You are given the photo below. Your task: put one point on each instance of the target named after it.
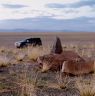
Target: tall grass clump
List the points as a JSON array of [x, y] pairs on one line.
[[20, 56], [28, 83], [4, 61], [86, 87], [63, 82], [35, 52], [2, 49]]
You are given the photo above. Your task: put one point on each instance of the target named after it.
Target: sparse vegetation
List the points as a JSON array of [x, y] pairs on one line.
[[34, 53], [2, 86], [4, 61], [86, 87], [23, 78], [20, 56], [2, 49], [29, 85], [63, 81]]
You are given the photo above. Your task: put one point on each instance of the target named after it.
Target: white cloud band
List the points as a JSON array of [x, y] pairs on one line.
[[37, 8]]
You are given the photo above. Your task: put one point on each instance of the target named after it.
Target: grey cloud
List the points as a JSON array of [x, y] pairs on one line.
[[74, 5], [13, 6]]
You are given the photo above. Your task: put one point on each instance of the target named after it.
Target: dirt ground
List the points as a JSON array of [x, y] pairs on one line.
[[22, 78]]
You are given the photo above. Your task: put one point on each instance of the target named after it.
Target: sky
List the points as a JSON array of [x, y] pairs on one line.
[[47, 15]]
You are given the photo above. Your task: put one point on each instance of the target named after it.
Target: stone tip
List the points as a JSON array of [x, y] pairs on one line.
[[57, 46]]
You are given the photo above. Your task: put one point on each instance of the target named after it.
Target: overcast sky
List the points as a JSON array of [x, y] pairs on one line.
[[64, 15]]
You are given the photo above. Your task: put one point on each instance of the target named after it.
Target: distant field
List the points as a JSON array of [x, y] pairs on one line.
[[8, 38]]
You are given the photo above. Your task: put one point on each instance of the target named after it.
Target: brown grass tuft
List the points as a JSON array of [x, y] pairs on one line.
[[63, 82], [35, 52], [20, 56], [86, 87], [4, 61]]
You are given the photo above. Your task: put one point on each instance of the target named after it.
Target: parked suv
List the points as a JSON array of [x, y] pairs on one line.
[[27, 42]]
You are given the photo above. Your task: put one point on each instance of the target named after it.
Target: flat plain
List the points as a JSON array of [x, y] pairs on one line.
[[19, 75], [8, 38]]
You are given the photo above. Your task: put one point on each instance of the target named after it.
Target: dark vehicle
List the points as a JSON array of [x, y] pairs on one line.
[[29, 41]]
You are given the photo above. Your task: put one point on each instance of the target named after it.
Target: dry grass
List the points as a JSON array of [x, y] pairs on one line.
[[34, 52], [85, 49], [8, 56], [63, 82], [86, 87], [20, 56], [2, 49], [27, 87], [4, 61]]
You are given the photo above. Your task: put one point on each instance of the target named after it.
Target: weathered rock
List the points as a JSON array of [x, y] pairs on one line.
[[77, 68], [57, 47], [55, 61]]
